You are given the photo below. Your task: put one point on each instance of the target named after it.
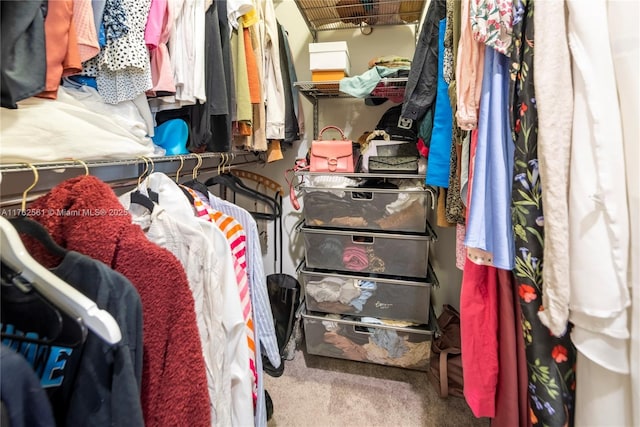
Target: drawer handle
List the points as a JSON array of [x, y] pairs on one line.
[[363, 240], [362, 195], [361, 330]]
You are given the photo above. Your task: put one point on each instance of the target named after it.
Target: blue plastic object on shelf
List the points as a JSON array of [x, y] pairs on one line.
[[172, 135]]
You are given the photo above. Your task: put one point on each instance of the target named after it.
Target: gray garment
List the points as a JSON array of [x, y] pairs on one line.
[[420, 93], [292, 130], [387, 339], [390, 341], [106, 390], [225, 38], [24, 401], [210, 123], [216, 85], [98, 11], [23, 65]]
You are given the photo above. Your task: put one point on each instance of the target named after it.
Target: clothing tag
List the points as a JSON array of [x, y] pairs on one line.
[[480, 257]]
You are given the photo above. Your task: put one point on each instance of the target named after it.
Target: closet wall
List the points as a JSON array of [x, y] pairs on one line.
[[354, 117]]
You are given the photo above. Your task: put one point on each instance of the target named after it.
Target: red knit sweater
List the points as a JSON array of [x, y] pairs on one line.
[[174, 384]]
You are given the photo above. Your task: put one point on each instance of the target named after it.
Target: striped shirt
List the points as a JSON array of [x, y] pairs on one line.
[[265, 329], [236, 237], [257, 277]]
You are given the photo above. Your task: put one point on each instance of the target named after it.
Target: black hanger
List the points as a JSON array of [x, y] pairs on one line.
[[13, 284], [236, 185], [140, 199], [196, 185], [271, 201], [26, 225], [153, 196]]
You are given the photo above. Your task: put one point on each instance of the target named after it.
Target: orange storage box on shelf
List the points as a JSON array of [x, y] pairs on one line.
[[327, 75]]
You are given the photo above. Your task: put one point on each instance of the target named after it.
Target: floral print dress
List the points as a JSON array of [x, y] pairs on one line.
[[550, 359]]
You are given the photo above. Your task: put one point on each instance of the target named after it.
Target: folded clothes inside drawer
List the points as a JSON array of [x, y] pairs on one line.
[[368, 339], [365, 295], [390, 254], [375, 204]]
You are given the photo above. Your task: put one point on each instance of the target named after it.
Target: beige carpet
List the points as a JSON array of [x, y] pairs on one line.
[[317, 391]]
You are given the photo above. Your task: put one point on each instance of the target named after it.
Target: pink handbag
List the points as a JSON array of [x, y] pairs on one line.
[[331, 155]]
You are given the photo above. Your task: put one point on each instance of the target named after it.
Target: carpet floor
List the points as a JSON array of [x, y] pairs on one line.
[[317, 391]]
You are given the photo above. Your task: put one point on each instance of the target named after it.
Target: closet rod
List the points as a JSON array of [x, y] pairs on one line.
[[126, 176], [16, 167]]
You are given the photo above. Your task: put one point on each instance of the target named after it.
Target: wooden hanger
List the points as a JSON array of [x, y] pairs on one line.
[[252, 176]]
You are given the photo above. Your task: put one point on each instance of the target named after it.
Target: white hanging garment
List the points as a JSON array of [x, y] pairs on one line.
[[598, 222]]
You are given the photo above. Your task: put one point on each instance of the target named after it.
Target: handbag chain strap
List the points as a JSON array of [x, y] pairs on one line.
[[378, 132]]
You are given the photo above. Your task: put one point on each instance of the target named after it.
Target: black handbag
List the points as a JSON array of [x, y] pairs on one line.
[[393, 165]]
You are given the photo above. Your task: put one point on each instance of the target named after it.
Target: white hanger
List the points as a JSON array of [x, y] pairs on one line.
[[54, 289]]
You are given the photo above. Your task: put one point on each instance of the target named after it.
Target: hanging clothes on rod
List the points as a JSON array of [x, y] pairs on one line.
[[264, 331], [26, 269], [76, 369], [98, 226], [206, 256]]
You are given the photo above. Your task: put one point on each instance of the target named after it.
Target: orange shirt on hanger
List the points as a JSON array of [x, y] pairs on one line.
[[61, 43]]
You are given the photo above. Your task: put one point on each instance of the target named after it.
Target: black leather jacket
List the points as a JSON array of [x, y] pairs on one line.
[[421, 88]]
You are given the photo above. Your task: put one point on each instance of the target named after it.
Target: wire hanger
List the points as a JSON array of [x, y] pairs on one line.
[[180, 168], [60, 293], [36, 177], [136, 195], [193, 183], [25, 225], [84, 164]]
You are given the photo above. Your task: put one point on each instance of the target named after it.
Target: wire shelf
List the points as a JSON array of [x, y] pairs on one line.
[[323, 15], [392, 88]]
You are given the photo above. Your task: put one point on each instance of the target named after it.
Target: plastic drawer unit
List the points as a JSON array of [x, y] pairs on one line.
[[368, 340], [381, 209], [389, 254], [367, 295]]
